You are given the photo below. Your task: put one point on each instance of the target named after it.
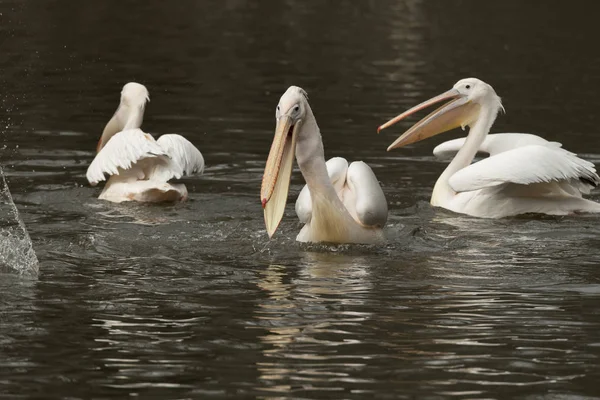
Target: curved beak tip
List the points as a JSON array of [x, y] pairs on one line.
[[263, 202], [378, 129]]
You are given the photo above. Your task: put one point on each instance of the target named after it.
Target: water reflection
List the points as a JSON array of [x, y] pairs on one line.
[[310, 311]]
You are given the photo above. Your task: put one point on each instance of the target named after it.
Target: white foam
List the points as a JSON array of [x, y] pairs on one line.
[[16, 250]]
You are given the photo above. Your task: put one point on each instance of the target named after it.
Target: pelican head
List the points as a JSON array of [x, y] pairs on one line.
[[290, 113], [466, 99], [129, 114], [134, 95]]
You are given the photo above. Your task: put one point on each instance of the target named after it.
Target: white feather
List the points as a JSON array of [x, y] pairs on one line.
[[368, 201], [172, 156], [524, 166], [122, 151], [493, 144], [357, 187], [337, 167], [182, 152]]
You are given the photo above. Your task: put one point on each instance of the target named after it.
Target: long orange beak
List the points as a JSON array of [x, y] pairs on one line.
[[459, 111], [278, 171]]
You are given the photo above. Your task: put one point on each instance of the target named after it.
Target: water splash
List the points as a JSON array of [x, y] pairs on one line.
[[16, 250]]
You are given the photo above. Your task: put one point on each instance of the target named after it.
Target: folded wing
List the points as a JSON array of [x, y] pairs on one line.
[[369, 203], [493, 144], [357, 187], [527, 165]]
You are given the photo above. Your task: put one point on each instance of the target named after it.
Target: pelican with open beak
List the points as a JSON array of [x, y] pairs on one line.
[[524, 173], [340, 203]]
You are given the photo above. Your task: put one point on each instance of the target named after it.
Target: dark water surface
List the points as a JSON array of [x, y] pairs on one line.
[[193, 301]]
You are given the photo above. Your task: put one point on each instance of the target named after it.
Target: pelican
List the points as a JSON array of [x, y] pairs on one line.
[[340, 203], [523, 174], [139, 166]]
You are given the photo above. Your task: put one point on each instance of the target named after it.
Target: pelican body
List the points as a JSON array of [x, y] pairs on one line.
[[139, 166], [523, 174], [341, 202]]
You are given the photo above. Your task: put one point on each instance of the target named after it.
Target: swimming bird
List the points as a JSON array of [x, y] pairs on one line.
[[139, 166], [340, 203], [523, 174]]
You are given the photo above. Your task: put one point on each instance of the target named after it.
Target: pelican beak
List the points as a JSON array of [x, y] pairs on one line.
[[278, 171], [459, 111]]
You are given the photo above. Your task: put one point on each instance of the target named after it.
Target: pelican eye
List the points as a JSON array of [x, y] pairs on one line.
[[468, 86], [296, 109]]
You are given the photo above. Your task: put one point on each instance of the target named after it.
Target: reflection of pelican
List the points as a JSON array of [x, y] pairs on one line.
[[341, 203], [307, 314], [139, 166], [524, 173]]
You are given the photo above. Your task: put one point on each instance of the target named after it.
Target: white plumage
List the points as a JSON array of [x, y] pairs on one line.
[[138, 165], [524, 173], [356, 186], [523, 166], [493, 144], [340, 203]]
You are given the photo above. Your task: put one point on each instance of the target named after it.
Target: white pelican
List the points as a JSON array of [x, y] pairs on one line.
[[524, 173], [340, 203], [139, 166]]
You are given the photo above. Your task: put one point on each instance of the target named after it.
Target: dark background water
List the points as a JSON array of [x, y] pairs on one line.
[[193, 301]]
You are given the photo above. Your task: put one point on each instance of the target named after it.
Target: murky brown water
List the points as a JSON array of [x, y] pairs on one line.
[[193, 300]]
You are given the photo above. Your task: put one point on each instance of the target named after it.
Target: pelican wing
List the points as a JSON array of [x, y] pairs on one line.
[[304, 205], [337, 167], [493, 144], [357, 187], [186, 158], [370, 205], [524, 166], [122, 151]]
